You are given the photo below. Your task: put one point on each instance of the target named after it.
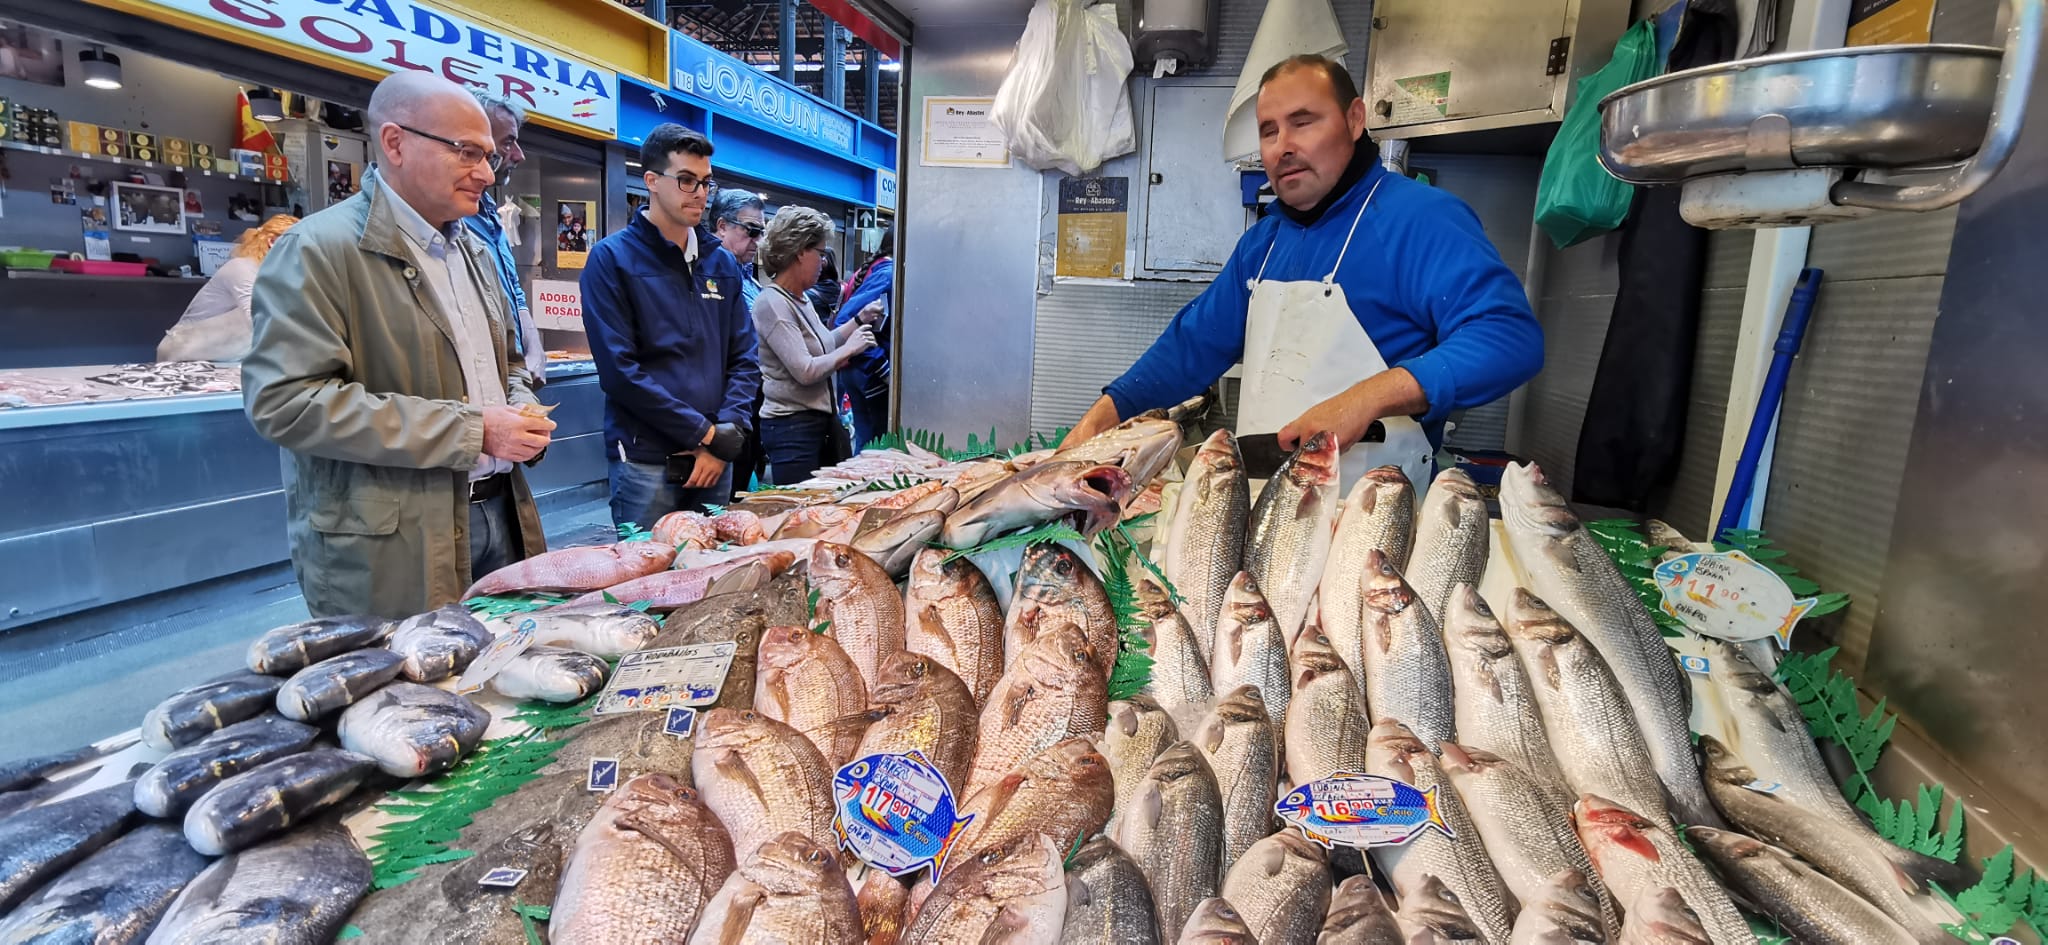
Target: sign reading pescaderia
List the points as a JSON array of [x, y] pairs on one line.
[[399, 34], [715, 77]]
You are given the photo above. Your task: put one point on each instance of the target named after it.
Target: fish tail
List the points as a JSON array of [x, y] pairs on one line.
[[1436, 811]]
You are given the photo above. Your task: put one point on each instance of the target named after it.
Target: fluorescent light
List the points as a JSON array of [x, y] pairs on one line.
[[100, 68]]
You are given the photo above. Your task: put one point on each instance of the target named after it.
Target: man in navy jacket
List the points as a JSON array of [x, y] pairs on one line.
[[674, 344]]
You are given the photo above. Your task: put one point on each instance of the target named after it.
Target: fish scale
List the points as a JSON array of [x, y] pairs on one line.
[[185, 775], [1459, 861], [1237, 738], [1359, 916], [953, 615], [1138, 730], [862, 602], [38, 843], [1451, 538], [1052, 692], [1012, 894], [1180, 663], [1405, 669], [1063, 792], [1530, 838], [272, 797], [1250, 650], [1565, 910], [1281, 886], [551, 674], [296, 890], [1431, 914], [643, 869], [1205, 535], [438, 643], [193, 713], [1636, 856], [921, 706], [791, 890], [1802, 900], [412, 730], [1495, 705], [1326, 721], [761, 778], [113, 896], [806, 680], [1108, 898], [1289, 532], [1173, 828], [1378, 515]]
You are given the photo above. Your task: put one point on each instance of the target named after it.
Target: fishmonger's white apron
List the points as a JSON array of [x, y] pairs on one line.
[[1302, 346]]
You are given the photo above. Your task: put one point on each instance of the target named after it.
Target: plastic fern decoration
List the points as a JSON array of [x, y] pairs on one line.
[[1133, 669], [1828, 700], [629, 531], [1913, 826], [1637, 561], [1996, 903], [1056, 531], [498, 605]]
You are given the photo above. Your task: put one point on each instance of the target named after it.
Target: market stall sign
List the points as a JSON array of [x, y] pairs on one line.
[[896, 812], [389, 35], [1362, 810], [558, 304], [1093, 217], [885, 189], [1730, 596], [740, 89]]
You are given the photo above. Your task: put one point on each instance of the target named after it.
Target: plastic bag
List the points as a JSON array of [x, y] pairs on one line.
[[1064, 104], [1577, 198]]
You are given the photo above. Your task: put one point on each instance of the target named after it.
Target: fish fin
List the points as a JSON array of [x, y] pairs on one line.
[[735, 767], [1916, 870], [1001, 793], [739, 917], [749, 576], [1432, 799], [1008, 926]]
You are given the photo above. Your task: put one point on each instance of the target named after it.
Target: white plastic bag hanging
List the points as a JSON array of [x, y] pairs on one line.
[[1064, 104]]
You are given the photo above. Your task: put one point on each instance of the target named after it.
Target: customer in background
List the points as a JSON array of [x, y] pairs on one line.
[[383, 365], [825, 295], [865, 381], [673, 346], [800, 430], [493, 222], [216, 326], [736, 223]]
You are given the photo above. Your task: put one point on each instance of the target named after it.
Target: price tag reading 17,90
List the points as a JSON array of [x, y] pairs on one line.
[[653, 680], [1729, 596], [895, 812]]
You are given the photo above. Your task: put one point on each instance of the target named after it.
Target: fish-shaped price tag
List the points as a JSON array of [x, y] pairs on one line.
[[497, 656], [1362, 810], [896, 812], [652, 680], [1730, 596]]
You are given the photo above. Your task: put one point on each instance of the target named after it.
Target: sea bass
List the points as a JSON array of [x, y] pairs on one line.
[[1530, 839], [921, 706], [1431, 914], [1215, 922], [1290, 530], [791, 891], [1015, 894], [1378, 515], [1138, 730], [1180, 662], [114, 896], [599, 628], [41, 842], [644, 868], [861, 601], [1055, 587], [296, 890], [1063, 792], [1451, 539], [1239, 742], [1250, 650], [1205, 533], [183, 776], [439, 643], [285, 650], [271, 798], [1405, 669], [1495, 700], [189, 715], [1108, 898], [1281, 886], [1326, 721], [1565, 910], [761, 778], [576, 570], [412, 730], [952, 614], [1173, 828], [1636, 855], [336, 683], [1661, 917], [1359, 916], [1091, 493], [1053, 691], [1460, 861], [806, 680], [1801, 900]]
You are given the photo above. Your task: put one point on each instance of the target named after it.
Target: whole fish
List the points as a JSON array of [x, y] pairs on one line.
[[295, 890], [336, 683], [921, 706], [643, 869], [790, 890], [951, 613], [38, 843], [1091, 494], [439, 643], [931, 494], [806, 680], [1173, 828], [1431, 914], [1141, 446], [739, 527], [1565, 910], [1014, 894], [1216, 922], [34, 772], [1661, 917], [271, 798], [761, 778], [1460, 861], [861, 601], [189, 715], [1406, 671], [412, 730], [1326, 721], [1495, 701], [1108, 899], [664, 591], [1063, 792], [832, 523], [1238, 740], [1053, 691], [1359, 916], [882, 900], [691, 559], [599, 628], [1055, 587], [170, 787], [1801, 900], [1281, 886], [577, 569], [1570, 571], [551, 674], [896, 542], [1138, 731], [1250, 650], [684, 529], [114, 896], [1530, 838], [1205, 533], [1636, 855], [1858, 859], [21, 799], [1451, 539], [1180, 662], [285, 650], [1290, 530], [1378, 515], [1593, 731]]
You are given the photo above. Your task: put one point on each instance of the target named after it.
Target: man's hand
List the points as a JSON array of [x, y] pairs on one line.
[[1348, 415], [513, 435], [706, 470], [1100, 417], [871, 313]]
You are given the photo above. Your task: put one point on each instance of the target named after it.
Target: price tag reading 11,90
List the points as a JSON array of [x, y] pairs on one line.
[[1730, 596]]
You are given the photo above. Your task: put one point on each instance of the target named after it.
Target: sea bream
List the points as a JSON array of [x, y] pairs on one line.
[[439, 643], [1053, 691], [272, 797], [599, 628], [285, 650], [183, 776], [921, 706], [806, 679], [295, 890], [38, 843], [191, 714], [1089, 493], [1063, 792], [336, 683], [576, 570], [862, 603], [411, 730], [1055, 587], [1290, 530], [1378, 515], [113, 897], [551, 674], [1015, 894], [643, 869], [789, 890], [951, 613], [761, 778], [1205, 533]]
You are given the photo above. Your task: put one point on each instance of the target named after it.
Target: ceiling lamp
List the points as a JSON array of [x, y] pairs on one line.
[[265, 104], [100, 68]]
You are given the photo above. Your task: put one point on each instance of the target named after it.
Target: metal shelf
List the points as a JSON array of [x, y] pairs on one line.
[[130, 162]]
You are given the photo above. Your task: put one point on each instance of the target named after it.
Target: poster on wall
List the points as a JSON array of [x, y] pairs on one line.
[[141, 208], [958, 133], [572, 233], [557, 304], [343, 180], [30, 54], [1092, 224], [1882, 22]]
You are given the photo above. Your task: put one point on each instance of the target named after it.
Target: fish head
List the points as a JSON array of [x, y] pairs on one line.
[[1153, 600], [784, 647], [904, 676], [1385, 590], [1244, 603], [1217, 461], [1566, 910], [1179, 761], [1358, 899], [1051, 573], [1527, 501], [1074, 762], [1314, 463], [1660, 916], [1727, 845], [1097, 492], [1723, 764], [1458, 760], [1529, 618], [1727, 663], [649, 555], [1470, 626], [1390, 749], [1314, 658], [654, 789], [839, 571], [1217, 922], [1059, 656], [1610, 830], [724, 728], [1128, 716], [792, 864], [1434, 907]]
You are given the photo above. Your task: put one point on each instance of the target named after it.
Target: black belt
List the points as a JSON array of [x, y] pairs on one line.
[[489, 487]]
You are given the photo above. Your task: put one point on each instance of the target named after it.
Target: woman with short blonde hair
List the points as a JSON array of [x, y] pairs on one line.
[[217, 325], [800, 430]]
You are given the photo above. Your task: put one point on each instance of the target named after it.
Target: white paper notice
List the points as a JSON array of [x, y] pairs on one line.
[[958, 133]]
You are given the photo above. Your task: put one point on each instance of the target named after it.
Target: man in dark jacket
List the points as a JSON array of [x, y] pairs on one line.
[[673, 344]]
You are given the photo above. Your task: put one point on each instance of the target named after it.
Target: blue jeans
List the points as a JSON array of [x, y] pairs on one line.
[[642, 494], [797, 445]]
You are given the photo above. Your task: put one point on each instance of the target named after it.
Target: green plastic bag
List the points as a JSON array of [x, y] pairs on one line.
[[1577, 198]]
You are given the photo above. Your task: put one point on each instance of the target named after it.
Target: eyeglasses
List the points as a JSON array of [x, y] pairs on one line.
[[754, 230], [689, 184], [468, 154]]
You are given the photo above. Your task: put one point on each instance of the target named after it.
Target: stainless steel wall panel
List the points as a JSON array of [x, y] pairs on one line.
[[1087, 335], [1728, 258], [1692, 491], [1886, 246], [47, 571]]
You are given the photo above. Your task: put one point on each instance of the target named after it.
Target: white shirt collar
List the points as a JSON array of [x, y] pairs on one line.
[[416, 226]]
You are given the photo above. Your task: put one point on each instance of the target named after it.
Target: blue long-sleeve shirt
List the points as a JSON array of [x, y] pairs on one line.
[[487, 226], [674, 347], [1420, 276]]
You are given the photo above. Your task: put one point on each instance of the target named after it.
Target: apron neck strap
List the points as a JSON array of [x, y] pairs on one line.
[[1332, 277]]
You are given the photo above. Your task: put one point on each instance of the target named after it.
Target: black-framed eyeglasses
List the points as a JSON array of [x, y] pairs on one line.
[[690, 184], [753, 230], [469, 154]]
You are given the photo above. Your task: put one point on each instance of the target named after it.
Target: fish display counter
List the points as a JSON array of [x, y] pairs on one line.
[[1081, 695]]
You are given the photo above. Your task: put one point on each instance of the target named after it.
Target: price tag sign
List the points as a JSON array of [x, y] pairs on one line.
[[504, 877], [603, 777], [1362, 810], [497, 656], [895, 812], [1730, 596], [682, 722], [657, 680]]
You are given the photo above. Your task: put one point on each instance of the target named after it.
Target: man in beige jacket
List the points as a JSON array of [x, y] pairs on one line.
[[382, 365]]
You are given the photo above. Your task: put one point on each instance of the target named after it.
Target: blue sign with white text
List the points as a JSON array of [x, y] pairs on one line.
[[722, 80]]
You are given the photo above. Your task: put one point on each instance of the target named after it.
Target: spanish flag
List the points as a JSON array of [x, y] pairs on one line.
[[250, 134]]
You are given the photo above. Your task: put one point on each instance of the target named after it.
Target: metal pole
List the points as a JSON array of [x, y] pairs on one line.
[[786, 35], [657, 10], [835, 63], [871, 83]]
